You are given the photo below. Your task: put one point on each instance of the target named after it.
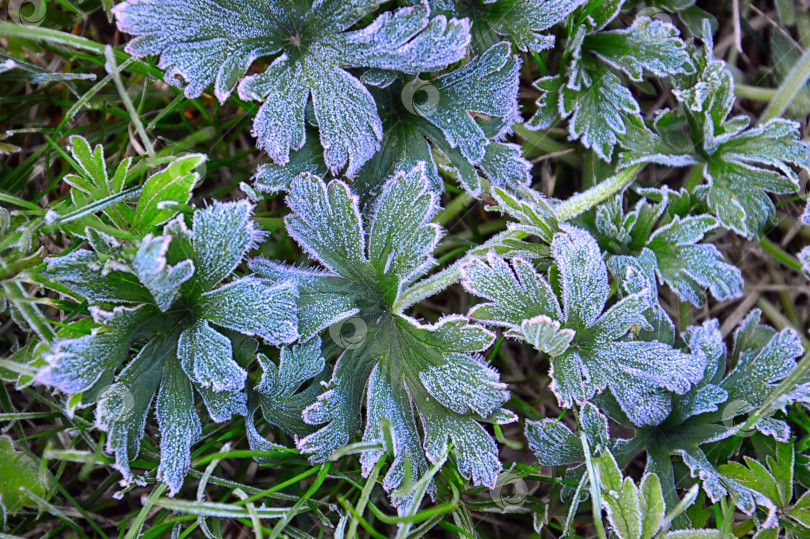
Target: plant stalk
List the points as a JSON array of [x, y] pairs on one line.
[[788, 89]]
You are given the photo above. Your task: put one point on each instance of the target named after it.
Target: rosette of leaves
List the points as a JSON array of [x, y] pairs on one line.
[[524, 22], [390, 362], [775, 479], [165, 297], [591, 347], [99, 198], [312, 48], [667, 246], [591, 90], [463, 114], [739, 164], [714, 409]]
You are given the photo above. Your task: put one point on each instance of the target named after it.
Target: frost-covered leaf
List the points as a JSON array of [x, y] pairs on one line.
[[715, 409], [222, 235], [648, 45], [688, 268], [804, 258], [598, 113], [741, 165], [202, 43], [667, 247], [752, 163], [76, 365], [640, 374], [462, 114], [190, 332], [515, 291], [590, 91], [555, 444], [393, 364], [761, 358], [252, 307], [533, 213], [207, 358], [524, 21], [162, 281], [123, 407], [179, 425], [546, 336], [98, 277], [281, 398]]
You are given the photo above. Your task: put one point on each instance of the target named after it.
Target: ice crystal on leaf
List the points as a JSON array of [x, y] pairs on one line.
[[592, 348], [167, 301], [390, 362], [312, 47], [666, 246], [463, 114], [713, 409], [740, 164], [591, 91]]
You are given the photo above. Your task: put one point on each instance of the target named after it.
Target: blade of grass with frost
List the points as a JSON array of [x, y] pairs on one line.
[[394, 364], [202, 43], [169, 296]]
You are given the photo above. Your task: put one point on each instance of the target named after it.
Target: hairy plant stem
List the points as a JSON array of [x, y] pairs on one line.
[[788, 89], [756, 93], [780, 255], [565, 211]]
